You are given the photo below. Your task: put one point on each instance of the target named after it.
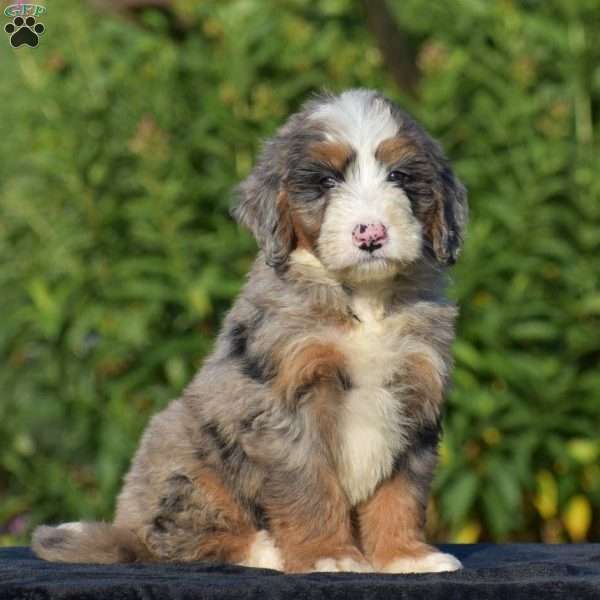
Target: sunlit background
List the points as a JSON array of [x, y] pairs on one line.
[[122, 135]]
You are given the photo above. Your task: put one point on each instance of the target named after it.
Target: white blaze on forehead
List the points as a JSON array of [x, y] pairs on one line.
[[362, 120], [359, 118]]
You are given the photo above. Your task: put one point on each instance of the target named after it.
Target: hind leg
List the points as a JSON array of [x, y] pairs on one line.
[[198, 518]]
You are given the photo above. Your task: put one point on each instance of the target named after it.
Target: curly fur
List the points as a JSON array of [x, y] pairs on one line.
[[307, 441]]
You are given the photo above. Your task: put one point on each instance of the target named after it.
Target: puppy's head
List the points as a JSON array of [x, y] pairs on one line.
[[356, 182]]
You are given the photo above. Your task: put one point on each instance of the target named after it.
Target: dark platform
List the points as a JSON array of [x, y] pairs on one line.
[[506, 571]]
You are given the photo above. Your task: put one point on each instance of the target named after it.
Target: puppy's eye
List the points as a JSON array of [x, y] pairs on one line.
[[328, 182], [399, 177]]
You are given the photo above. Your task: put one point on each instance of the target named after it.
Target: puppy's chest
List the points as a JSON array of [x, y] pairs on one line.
[[371, 349], [370, 427]]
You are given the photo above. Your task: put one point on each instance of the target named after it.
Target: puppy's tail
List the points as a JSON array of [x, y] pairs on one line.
[[85, 542]]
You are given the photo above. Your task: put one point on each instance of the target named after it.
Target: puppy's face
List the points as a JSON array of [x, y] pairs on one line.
[[355, 181]]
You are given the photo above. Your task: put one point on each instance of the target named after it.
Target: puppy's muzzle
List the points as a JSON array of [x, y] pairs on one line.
[[369, 237]]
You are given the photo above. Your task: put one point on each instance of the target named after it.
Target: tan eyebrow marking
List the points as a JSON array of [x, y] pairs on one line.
[[336, 154], [394, 149]]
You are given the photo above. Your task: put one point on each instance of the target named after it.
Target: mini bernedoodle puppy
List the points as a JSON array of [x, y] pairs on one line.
[[307, 441]]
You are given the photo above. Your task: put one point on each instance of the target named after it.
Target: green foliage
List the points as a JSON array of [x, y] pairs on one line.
[[121, 144], [512, 91]]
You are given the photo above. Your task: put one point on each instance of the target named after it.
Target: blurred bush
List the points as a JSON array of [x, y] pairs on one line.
[[121, 141]]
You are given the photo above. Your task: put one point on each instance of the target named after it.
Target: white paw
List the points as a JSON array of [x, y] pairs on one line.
[[263, 554], [436, 562], [346, 563]]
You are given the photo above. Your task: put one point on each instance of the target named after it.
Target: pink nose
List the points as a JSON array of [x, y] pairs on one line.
[[369, 237]]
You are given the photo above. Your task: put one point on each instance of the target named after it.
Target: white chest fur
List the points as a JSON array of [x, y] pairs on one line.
[[371, 428]]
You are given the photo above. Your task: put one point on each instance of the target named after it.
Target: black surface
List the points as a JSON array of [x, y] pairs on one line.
[[506, 571]]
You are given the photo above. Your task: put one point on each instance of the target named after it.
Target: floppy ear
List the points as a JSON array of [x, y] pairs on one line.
[[450, 216], [263, 208]]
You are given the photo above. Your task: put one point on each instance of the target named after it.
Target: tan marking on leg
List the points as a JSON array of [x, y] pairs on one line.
[[315, 527], [221, 498], [392, 526], [392, 523], [316, 363], [230, 536]]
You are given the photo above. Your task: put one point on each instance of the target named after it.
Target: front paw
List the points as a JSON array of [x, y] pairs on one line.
[[340, 564], [348, 559], [433, 562]]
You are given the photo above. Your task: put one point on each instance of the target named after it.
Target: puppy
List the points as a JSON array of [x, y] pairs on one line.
[[307, 441]]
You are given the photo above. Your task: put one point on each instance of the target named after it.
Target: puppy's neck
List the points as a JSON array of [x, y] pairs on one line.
[[316, 286], [304, 262], [370, 303], [365, 301], [361, 301]]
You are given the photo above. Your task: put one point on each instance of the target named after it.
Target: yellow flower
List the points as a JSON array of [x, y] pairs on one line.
[[577, 517]]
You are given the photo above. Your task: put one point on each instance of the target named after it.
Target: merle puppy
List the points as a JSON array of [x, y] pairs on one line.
[[307, 441]]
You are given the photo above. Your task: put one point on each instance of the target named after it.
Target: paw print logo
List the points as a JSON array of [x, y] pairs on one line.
[[24, 31]]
